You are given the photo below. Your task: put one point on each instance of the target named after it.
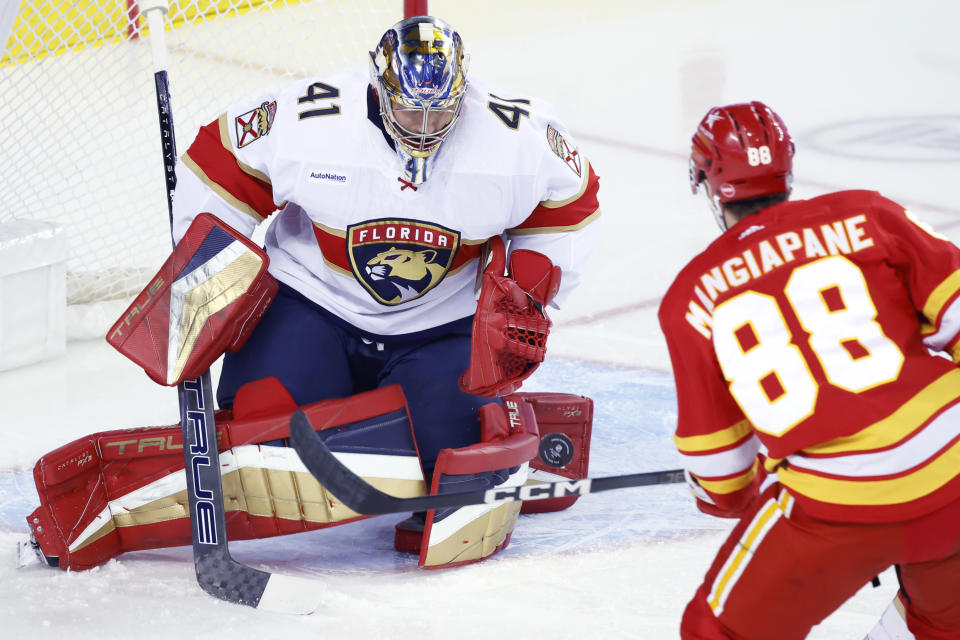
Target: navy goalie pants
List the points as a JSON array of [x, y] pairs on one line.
[[318, 356]]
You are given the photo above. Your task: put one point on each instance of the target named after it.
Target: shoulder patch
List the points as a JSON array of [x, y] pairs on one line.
[[254, 124], [560, 147]]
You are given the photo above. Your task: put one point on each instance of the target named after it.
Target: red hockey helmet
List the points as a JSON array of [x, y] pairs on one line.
[[742, 151]]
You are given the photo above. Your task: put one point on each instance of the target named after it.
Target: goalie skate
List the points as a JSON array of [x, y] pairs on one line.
[[29, 554]]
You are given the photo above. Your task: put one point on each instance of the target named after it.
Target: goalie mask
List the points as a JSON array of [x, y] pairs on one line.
[[419, 72], [741, 151]]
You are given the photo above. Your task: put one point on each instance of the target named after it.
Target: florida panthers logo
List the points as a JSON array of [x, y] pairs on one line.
[[255, 124], [400, 260], [560, 146]]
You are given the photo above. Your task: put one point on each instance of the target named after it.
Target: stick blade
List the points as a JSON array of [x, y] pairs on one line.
[[226, 579], [290, 595]]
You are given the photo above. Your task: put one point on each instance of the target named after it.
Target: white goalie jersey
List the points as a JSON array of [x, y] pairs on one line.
[[356, 232]]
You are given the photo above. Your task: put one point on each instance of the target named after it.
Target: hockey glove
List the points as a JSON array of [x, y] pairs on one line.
[[206, 299], [510, 327], [731, 504]]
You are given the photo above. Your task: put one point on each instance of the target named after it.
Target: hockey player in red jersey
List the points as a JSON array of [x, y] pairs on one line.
[[392, 197], [815, 339]]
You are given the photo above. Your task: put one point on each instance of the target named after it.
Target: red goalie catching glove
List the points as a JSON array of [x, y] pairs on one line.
[[510, 327]]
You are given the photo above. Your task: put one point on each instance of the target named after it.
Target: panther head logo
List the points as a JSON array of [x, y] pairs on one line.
[[411, 272], [400, 260], [255, 124], [265, 115]]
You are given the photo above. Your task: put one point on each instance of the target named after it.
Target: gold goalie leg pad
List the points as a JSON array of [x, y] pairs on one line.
[[453, 537], [468, 534], [125, 490]]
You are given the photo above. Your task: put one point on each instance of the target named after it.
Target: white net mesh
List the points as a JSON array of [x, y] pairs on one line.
[[81, 146]]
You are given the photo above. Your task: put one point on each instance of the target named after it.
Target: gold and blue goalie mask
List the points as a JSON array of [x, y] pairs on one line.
[[419, 71]]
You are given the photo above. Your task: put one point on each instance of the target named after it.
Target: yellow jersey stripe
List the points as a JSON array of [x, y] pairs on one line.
[[730, 484], [909, 417], [743, 553], [941, 295], [716, 440], [902, 489]]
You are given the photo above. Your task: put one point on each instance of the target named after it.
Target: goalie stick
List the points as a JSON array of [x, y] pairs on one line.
[[217, 572], [355, 493]]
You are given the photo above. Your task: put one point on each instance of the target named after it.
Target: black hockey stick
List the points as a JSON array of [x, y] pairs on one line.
[[355, 493], [217, 572]]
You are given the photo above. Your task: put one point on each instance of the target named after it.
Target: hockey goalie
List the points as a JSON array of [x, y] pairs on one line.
[[385, 304]]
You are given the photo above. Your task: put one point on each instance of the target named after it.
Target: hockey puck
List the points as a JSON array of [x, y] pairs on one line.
[[556, 450]]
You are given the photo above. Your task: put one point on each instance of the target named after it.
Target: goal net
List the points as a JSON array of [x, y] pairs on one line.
[[81, 145]]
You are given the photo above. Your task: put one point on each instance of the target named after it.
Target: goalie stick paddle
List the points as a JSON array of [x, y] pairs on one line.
[[356, 494], [217, 572]]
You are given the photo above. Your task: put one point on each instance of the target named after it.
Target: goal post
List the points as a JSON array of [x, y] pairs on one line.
[[81, 146]]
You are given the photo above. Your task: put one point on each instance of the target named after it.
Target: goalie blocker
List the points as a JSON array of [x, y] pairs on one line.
[[206, 299]]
